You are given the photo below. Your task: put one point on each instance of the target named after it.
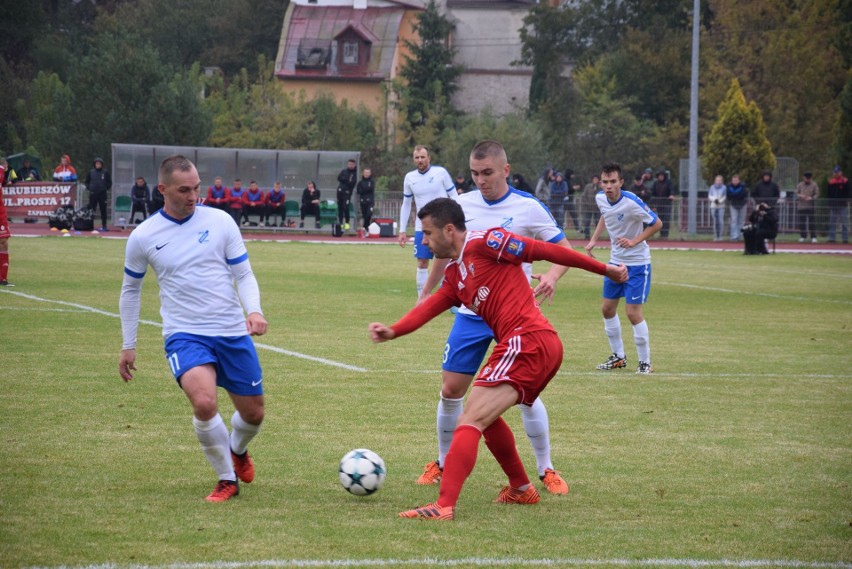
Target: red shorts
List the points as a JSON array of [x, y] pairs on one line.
[[4, 226], [527, 362]]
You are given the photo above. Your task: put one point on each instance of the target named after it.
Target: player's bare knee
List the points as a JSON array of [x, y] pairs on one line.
[[204, 408], [253, 415], [454, 385]]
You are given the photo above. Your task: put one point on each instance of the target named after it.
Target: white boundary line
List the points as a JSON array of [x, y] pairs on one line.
[[477, 561], [84, 308], [766, 294]]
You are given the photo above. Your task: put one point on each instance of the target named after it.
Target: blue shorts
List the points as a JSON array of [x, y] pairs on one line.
[[635, 290], [420, 250], [237, 367], [467, 344]]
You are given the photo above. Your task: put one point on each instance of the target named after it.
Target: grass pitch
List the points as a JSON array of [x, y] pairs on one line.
[[738, 450]]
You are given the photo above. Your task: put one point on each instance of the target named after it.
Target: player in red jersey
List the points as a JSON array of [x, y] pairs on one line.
[[485, 275], [4, 230]]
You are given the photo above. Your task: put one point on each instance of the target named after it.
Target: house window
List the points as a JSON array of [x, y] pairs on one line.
[[350, 53]]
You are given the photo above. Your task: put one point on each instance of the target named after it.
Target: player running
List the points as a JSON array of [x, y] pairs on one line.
[[493, 204], [198, 255], [421, 186], [485, 275]]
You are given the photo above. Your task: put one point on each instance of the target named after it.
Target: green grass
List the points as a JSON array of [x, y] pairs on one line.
[[739, 447]]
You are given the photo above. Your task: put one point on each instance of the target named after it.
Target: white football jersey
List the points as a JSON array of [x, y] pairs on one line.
[[517, 211], [191, 259], [626, 218], [422, 188]]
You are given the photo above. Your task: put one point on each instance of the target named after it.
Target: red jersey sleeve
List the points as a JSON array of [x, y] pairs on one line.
[[441, 301], [515, 249]]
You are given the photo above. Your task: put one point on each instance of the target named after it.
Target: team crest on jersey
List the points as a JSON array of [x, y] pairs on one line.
[[515, 247], [495, 239], [470, 268], [620, 217], [486, 370], [203, 236], [507, 223]]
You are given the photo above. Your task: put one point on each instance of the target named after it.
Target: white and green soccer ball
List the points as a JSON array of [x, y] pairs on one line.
[[362, 472]]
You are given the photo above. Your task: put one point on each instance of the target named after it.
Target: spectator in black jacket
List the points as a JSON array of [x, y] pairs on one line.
[[838, 193], [99, 183], [346, 180], [140, 195], [764, 225], [518, 182], [367, 197], [663, 194], [766, 190], [310, 204]]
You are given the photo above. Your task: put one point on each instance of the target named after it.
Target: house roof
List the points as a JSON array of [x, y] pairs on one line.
[[491, 4], [317, 26]]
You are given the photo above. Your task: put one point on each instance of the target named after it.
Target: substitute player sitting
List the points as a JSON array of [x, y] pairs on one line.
[[198, 255], [485, 275]]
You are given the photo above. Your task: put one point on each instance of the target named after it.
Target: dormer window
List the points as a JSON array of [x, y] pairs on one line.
[[350, 53]]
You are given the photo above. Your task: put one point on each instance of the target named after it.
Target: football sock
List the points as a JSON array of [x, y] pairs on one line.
[[460, 462], [422, 275], [449, 411], [640, 338], [213, 436], [4, 265], [537, 426], [612, 326], [241, 433], [501, 442]]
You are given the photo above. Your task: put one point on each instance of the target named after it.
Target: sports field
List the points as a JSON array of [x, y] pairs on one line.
[[736, 452]]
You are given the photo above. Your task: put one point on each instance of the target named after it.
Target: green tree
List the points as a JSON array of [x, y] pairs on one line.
[[46, 123], [737, 144], [429, 75], [843, 133]]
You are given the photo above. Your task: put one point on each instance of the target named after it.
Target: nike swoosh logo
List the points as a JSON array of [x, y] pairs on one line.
[[636, 297], [158, 247], [256, 383]]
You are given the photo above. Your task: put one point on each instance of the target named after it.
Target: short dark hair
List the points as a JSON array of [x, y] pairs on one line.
[[172, 163], [443, 211], [611, 167], [488, 148]]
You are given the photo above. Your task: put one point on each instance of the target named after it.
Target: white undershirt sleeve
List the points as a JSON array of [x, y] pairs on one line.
[[247, 287], [405, 212], [129, 304]]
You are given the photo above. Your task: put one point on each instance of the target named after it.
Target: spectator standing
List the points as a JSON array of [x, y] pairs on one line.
[[65, 172], [274, 204], [520, 183], [558, 196], [420, 186], [463, 186], [140, 196], [766, 190], [366, 197], [648, 182], [157, 201], [218, 195], [573, 189], [5, 234], [737, 198], [717, 195], [663, 195], [642, 190], [99, 182], [254, 202], [838, 194], [542, 187], [235, 205], [210, 306], [588, 206], [310, 204], [807, 191], [629, 223], [28, 172], [346, 180]]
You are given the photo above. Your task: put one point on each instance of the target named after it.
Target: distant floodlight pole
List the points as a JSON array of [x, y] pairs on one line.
[[692, 213]]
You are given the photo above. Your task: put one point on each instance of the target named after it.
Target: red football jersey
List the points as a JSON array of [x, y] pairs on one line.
[[481, 280]]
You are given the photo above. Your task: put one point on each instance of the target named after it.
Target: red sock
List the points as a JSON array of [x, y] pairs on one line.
[[4, 265], [501, 443], [459, 463]]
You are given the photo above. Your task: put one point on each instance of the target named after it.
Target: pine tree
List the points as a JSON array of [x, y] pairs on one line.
[[737, 143]]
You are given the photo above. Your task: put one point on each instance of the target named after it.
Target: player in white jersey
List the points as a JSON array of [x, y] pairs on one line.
[[421, 186], [494, 204], [629, 223], [198, 254]]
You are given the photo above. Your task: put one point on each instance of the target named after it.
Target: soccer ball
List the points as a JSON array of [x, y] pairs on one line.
[[362, 472]]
